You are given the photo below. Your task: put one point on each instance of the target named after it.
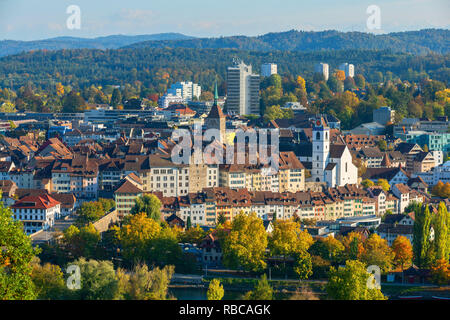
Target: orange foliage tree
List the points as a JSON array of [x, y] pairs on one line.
[[403, 251]]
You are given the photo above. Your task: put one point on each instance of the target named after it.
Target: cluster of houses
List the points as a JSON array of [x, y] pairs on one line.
[[126, 157]]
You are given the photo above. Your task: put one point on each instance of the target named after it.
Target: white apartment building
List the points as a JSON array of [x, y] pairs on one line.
[[36, 212], [168, 99], [324, 69], [268, 69], [349, 69], [187, 90]]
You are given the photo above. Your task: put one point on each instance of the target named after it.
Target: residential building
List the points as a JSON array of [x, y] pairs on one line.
[[323, 69], [349, 69], [384, 115], [268, 69], [187, 90], [36, 212], [126, 193]]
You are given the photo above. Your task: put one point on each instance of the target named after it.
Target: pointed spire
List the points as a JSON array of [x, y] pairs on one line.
[[216, 95], [386, 162]]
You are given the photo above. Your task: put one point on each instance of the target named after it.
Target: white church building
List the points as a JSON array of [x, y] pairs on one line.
[[330, 163]]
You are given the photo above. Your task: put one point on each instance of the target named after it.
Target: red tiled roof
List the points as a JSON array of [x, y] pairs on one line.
[[35, 202]]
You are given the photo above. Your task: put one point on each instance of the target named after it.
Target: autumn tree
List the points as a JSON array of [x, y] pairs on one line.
[[350, 283], [288, 240], [377, 252], [440, 272], [215, 290], [328, 248], [403, 252], [145, 284], [300, 91], [384, 184], [353, 245], [366, 183], [16, 254], [246, 244], [134, 235], [193, 235]]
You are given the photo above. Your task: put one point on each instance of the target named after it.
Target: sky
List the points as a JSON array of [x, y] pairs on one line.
[[41, 19]]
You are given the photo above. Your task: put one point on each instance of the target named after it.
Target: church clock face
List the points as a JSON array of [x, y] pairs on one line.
[[318, 122]]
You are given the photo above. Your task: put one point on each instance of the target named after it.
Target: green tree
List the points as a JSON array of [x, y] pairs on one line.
[[73, 102], [149, 204], [328, 248], [16, 254], [48, 280], [116, 98], [382, 144], [421, 232], [221, 219], [262, 291], [441, 233], [81, 242], [276, 112], [89, 212], [107, 204], [215, 290], [350, 283], [246, 244], [188, 223], [98, 280]]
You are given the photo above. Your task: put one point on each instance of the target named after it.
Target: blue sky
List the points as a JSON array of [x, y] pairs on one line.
[[33, 19]]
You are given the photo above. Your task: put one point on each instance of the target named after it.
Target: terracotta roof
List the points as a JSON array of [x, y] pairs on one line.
[[35, 202]]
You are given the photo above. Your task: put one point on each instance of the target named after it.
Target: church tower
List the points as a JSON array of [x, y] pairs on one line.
[[320, 149], [216, 119]]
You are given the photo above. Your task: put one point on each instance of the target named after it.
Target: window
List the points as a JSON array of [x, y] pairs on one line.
[[318, 136]]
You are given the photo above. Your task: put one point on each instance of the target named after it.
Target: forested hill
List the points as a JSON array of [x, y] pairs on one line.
[[156, 68], [9, 47], [415, 42]]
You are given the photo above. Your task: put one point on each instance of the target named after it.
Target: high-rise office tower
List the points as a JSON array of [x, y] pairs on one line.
[[323, 69], [242, 90]]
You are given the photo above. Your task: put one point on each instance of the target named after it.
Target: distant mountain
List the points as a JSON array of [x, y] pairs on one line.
[[416, 42], [9, 47]]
